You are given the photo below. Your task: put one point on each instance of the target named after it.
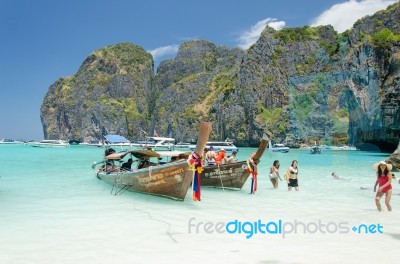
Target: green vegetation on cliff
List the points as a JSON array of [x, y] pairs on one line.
[[274, 120], [385, 39], [292, 35]]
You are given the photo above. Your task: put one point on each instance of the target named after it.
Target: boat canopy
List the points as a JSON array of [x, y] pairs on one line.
[[116, 139], [157, 139], [145, 153]]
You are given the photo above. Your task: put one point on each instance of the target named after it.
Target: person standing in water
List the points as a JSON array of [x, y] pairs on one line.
[[291, 176], [384, 180], [274, 173]]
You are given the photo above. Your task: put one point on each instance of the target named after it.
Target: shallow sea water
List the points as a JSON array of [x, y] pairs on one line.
[[54, 210]]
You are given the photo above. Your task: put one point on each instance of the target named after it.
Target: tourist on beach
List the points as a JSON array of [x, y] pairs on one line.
[[394, 177], [291, 176], [274, 173], [335, 176], [210, 156], [127, 166], [384, 179], [232, 157]]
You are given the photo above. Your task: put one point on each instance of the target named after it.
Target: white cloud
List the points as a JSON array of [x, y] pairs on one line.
[[248, 38], [162, 51], [342, 16]]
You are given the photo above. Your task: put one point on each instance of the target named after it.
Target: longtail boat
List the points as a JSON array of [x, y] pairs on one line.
[[152, 175], [231, 175], [170, 179]]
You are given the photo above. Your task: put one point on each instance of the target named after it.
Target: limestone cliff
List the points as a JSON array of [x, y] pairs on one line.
[[301, 84], [394, 159], [371, 66], [295, 88], [109, 94], [191, 87]]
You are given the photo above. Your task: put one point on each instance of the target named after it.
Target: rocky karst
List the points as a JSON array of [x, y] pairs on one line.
[[301, 84]]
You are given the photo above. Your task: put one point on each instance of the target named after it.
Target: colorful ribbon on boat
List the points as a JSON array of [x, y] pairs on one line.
[[252, 167], [195, 164], [253, 182]]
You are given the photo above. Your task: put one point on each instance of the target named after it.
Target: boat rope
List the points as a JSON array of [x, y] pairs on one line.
[[153, 218], [122, 190], [220, 178], [117, 182], [146, 211], [112, 189]]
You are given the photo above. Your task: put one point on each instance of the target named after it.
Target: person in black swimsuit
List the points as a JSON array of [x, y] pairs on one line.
[[127, 166], [291, 176]]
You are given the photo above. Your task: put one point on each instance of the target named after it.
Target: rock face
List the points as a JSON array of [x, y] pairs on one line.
[[192, 87], [109, 94], [394, 159], [372, 67], [301, 84], [296, 86]]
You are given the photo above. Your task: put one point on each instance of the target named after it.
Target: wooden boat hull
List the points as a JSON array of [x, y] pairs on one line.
[[232, 175], [169, 180]]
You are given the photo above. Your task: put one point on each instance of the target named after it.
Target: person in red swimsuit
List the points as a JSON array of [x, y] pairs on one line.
[[384, 179], [221, 156]]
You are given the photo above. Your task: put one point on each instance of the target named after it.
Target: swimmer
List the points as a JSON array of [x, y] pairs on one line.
[[335, 176]]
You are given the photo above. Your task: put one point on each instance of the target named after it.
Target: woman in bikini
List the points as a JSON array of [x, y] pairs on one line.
[[384, 180], [291, 176], [274, 173]]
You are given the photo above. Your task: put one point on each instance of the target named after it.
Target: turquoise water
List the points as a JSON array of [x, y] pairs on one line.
[[54, 210]]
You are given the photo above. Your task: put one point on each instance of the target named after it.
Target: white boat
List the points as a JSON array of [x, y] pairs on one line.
[[228, 146], [156, 143], [93, 143], [50, 143], [278, 148], [7, 141], [315, 149], [182, 145], [344, 147]]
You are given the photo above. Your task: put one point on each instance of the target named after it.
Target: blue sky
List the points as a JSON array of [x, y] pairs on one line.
[[44, 40]]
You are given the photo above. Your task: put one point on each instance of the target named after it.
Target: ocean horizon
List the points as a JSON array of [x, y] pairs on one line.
[[55, 210]]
